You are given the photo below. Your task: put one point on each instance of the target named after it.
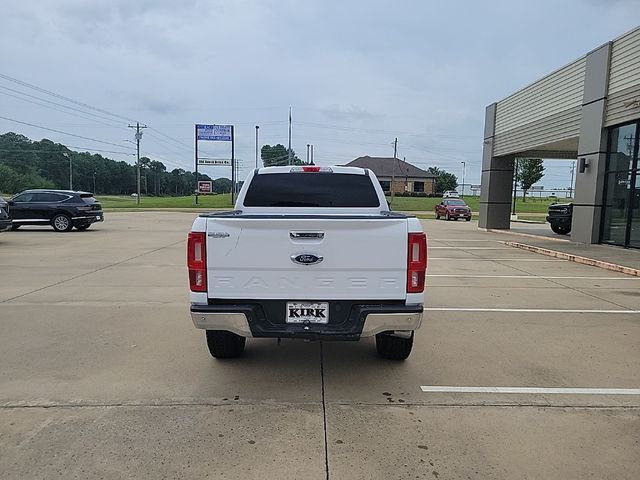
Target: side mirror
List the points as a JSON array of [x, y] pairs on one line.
[[11, 203]]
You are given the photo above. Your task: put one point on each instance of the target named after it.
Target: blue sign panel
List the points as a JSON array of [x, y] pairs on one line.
[[216, 133]]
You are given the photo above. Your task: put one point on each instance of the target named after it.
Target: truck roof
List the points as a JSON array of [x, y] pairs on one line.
[[294, 168]]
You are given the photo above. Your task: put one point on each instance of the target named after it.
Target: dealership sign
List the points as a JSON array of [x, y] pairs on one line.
[[215, 162], [205, 186], [216, 133]]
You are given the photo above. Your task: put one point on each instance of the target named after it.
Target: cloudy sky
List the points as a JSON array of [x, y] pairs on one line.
[[356, 73]]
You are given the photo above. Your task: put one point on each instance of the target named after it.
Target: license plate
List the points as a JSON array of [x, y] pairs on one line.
[[302, 312]]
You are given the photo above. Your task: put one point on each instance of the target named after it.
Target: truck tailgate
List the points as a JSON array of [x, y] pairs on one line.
[[256, 258]]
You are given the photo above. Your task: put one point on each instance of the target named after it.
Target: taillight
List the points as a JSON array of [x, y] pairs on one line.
[[416, 262], [197, 261]]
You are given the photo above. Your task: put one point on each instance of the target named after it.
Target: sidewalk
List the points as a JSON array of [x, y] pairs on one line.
[[604, 256]]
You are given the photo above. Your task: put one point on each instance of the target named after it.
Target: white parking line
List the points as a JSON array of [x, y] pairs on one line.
[[478, 259], [527, 310], [544, 277], [467, 248], [431, 239], [537, 390]]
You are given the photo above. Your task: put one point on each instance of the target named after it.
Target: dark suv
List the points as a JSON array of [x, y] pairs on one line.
[[559, 217], [62, 209], [5, 221]]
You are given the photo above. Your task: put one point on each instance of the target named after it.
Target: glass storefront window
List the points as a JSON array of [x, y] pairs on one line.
[[634, 236], [622, 148], [621, 213], [615, 211]]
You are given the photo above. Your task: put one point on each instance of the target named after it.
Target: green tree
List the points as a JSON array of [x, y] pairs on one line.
[[444, 180], [158, 168], [530, 171], [31, 164], [277, 155], [222, 185], [177, 174]]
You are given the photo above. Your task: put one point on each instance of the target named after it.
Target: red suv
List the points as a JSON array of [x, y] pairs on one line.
[[453, 209]]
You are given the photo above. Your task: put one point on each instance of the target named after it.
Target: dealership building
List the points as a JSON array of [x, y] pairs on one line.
[[588, 111]]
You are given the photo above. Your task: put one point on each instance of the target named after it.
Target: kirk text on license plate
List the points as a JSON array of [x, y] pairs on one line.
[[302, 312]]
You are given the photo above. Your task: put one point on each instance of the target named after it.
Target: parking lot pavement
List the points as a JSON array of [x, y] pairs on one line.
[[102, 374]]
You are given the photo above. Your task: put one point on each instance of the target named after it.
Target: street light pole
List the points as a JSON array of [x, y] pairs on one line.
[[464, 165], [94, 182], [308, 145]]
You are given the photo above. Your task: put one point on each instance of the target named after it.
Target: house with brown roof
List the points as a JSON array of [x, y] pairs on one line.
[[404, 176]]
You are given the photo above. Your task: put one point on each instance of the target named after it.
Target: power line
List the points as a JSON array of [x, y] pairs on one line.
[[382, 132], [60, 131], [45, 150], [58, 104], [62, 97]]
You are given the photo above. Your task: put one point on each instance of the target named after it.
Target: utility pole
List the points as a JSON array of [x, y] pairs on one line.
[[573, 168], [257, 128], [138, 136], [464, 165], [66, 155], [393, 168], [289, 151]]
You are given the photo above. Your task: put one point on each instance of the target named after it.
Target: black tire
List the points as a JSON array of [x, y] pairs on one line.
[[15, 227], [393, 348], [468, 219], [223, 344], [61, 223], [437, 216], [560, 230], [83, 227], [448, 218]]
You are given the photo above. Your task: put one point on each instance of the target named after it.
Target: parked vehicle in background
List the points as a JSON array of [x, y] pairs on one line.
[[62, 209], [310, 252], [450, 194], [5, 220], [559, 216], [453, 209]]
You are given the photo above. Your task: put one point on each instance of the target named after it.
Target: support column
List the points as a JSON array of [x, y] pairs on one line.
[[497, 180], [592, 149]]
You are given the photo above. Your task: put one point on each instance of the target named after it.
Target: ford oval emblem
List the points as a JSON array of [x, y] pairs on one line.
[[306, 259]]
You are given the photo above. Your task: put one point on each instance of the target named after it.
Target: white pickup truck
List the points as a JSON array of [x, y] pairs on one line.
[[309, 252]]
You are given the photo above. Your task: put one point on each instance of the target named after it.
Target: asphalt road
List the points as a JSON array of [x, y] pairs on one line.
[[102, 374]]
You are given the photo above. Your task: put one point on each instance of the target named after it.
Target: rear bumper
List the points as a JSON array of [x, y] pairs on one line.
[[248, 320], [85, 219], [559, 221]]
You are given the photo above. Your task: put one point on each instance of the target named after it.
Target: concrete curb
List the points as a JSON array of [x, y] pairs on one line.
[[575, 258], [522, 234]]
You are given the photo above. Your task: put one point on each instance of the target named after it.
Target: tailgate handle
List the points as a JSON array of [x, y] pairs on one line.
[[306, 235]]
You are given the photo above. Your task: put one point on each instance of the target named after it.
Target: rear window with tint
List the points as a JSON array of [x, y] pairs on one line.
[[311, 190]]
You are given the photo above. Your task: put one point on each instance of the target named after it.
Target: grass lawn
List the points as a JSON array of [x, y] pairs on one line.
[[409, 204], [204, 201], [428, 204]]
